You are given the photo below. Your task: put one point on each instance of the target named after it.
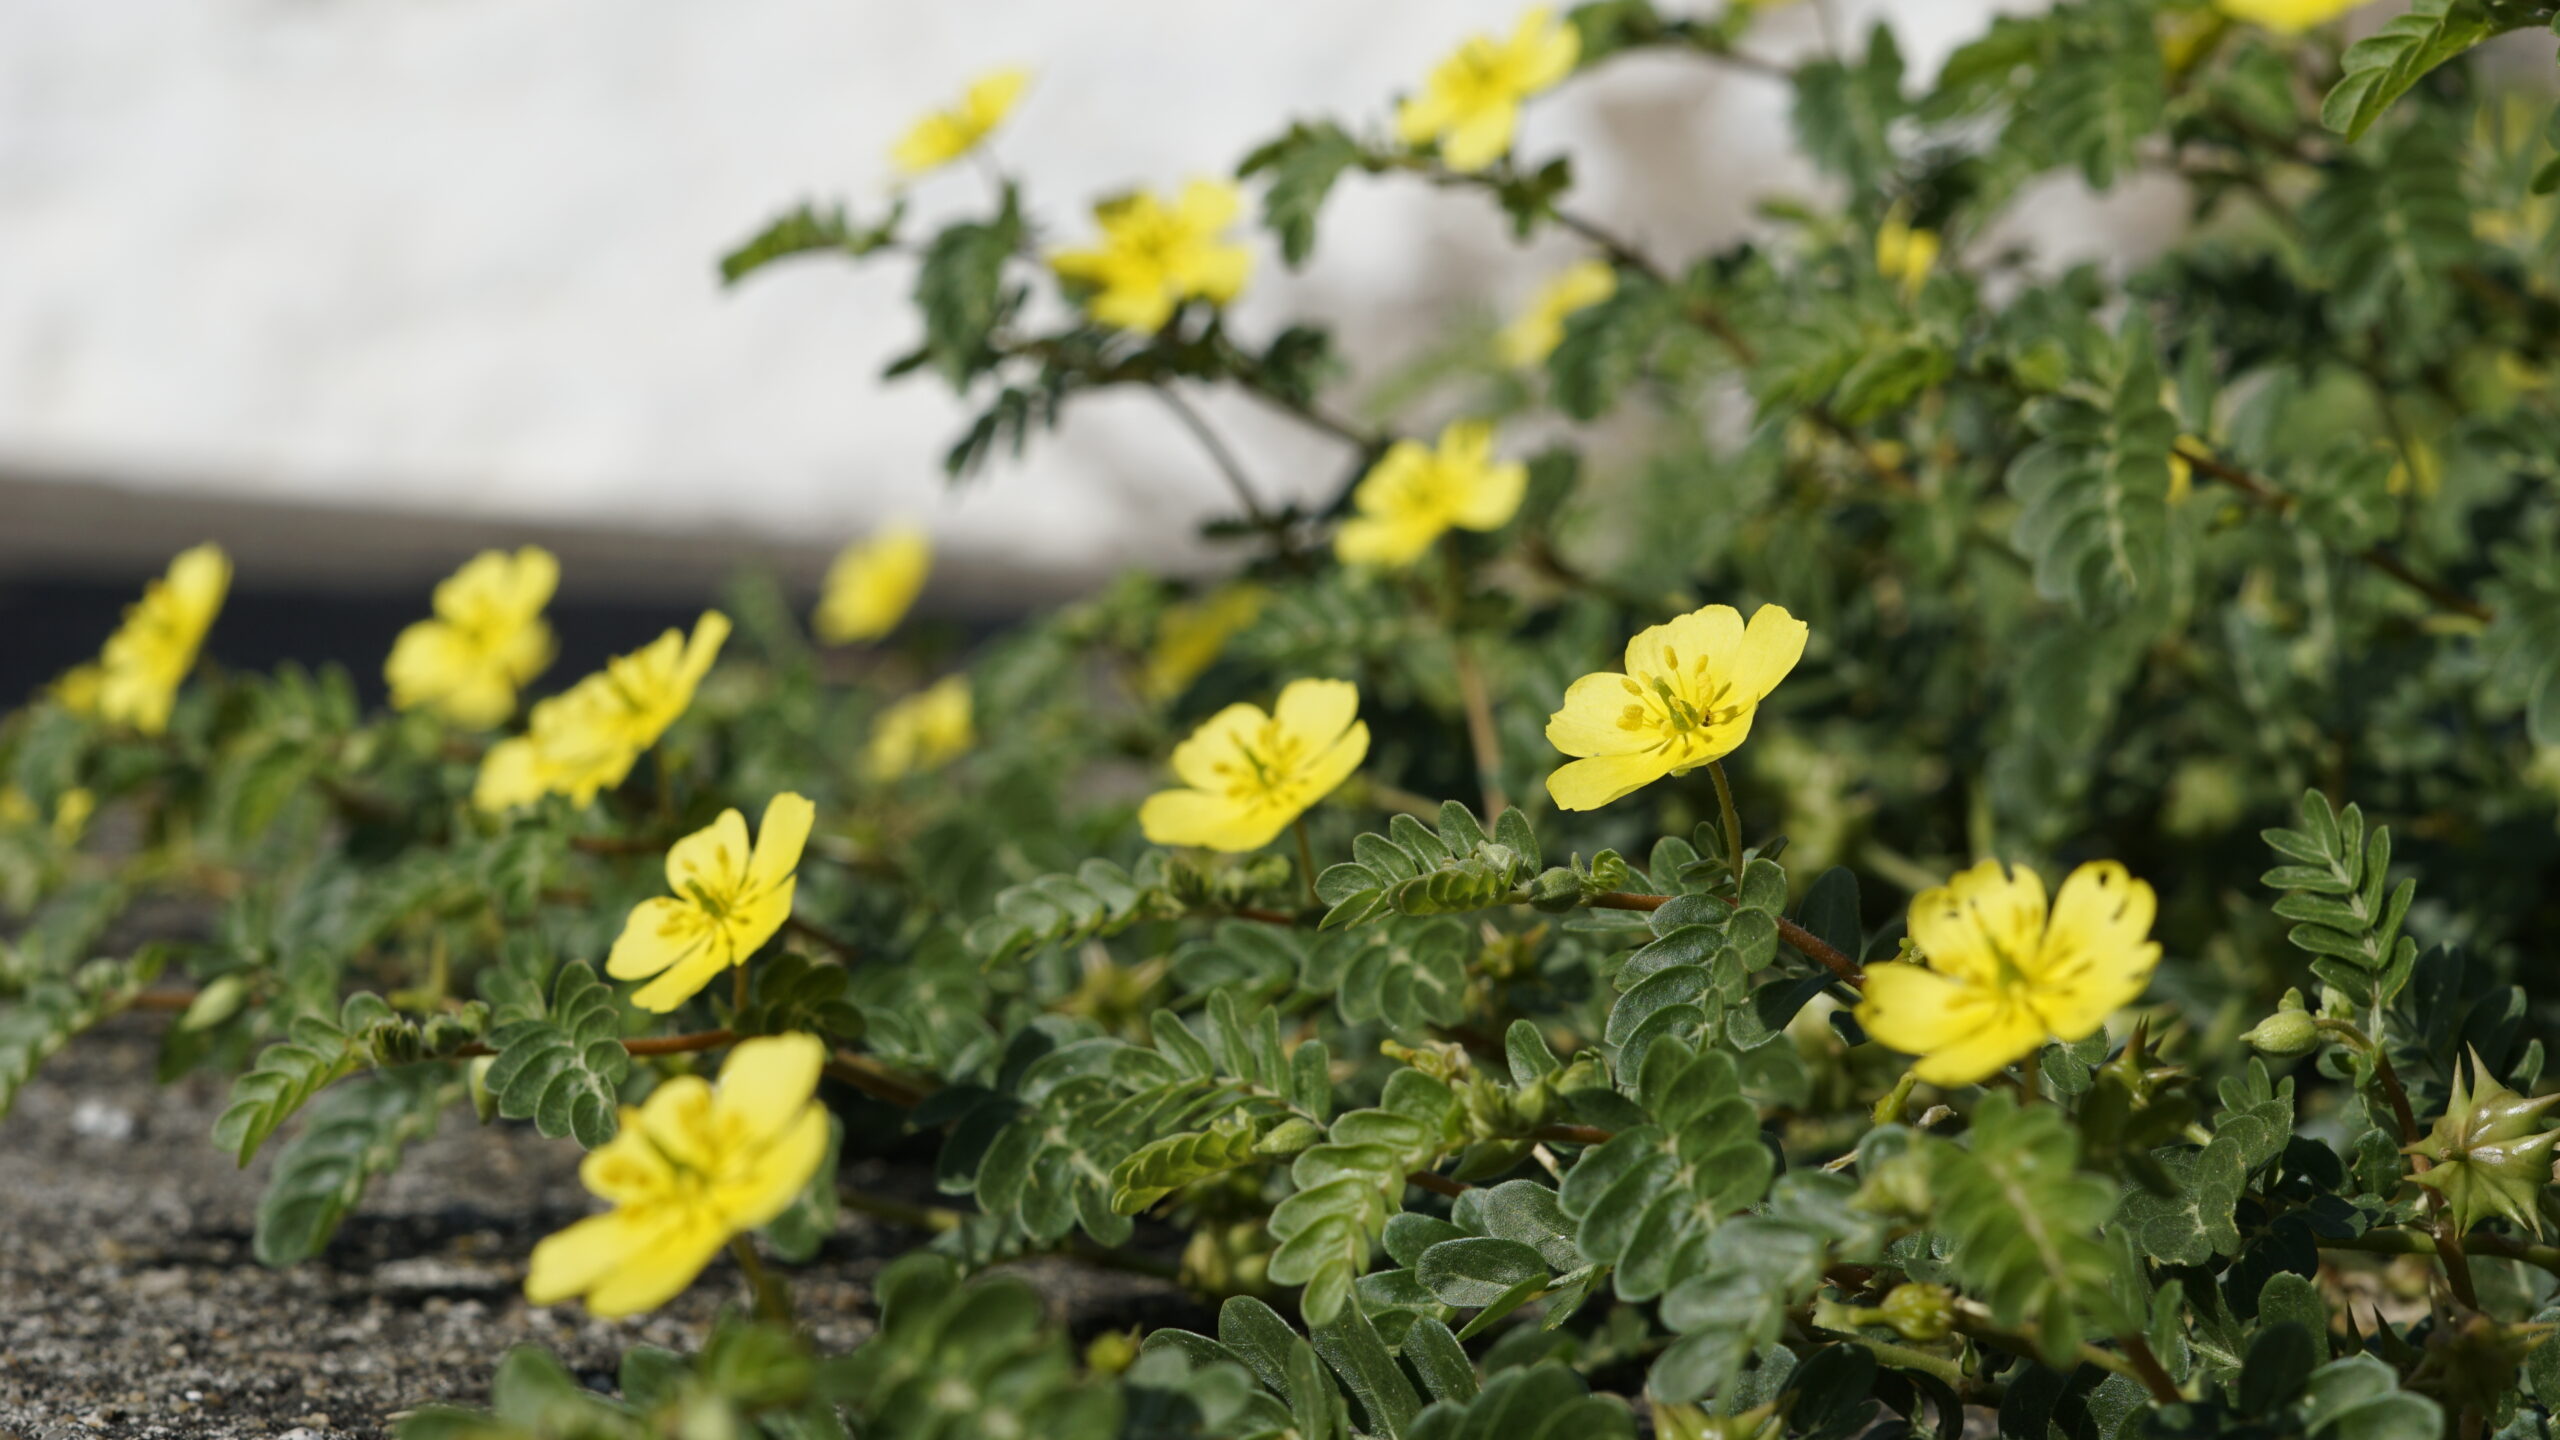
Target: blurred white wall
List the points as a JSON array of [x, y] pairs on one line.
[[455, 257]]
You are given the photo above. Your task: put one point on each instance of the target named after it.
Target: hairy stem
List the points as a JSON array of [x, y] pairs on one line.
[[773, 1298], [1482, 737], [1732, 821], [1811, 945]]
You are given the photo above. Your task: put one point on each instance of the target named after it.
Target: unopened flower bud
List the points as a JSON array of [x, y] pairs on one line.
[[1919, 1312], [2285, 1033], [1556, 889]]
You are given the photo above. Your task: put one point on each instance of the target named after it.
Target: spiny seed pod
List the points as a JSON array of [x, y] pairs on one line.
[[2491, 1154], [1919, 1312]]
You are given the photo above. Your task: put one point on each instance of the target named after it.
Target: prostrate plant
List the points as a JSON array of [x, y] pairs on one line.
[[1612, 1107]]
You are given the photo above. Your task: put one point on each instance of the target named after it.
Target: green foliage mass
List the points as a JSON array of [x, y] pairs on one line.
[[1455, 1116]]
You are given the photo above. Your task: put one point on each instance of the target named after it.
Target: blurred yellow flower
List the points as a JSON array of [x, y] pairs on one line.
[[1534, 335], [70, 813], [1470, 105], [1688, 695], [924, 731], [1249, 774], [1905, 255], [872, 585], [587, 738], [1190, 637], [943, 136], [2419, 471], [135, 679], [487, 640], [1413, 495], [1154, 256], [2286, 17], [1998, 980], [729, 900], [690, 1168]]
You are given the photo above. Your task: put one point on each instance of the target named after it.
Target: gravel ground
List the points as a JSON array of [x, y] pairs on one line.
[[130, 1304]]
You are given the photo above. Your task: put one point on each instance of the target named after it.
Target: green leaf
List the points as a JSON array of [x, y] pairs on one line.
[[562, 1068], [1844, 114], [1478, 1270], [962, 294], [52, 1011], [1412, 870], [2380, 68], [2096, 490], [2386, 232], [1303, 165], [806, 229], [2023, 1223], [355, 1132], [289, 1073], [1099, 899]]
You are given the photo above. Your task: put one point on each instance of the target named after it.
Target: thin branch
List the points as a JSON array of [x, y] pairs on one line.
[[636, 1045], [1482, 737], [2444, 596], [819, 935], [1814, 947], [890, 1087], [1439, 1184], [1219, 455]]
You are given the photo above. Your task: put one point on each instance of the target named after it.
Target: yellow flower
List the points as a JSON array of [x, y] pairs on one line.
[[2418, 471], [1190, 637], [872, 585], [70, 813], [487, 639], [2287, 17], [587, 738], [1998, 980], [689, 1169], [728, 901], [924, 731], [1540, 328], [943, 136], [1688, 695], [1905, 255], [1413, 495], [135, 678], [1250, 774], [1471, 103], [1154, 256]]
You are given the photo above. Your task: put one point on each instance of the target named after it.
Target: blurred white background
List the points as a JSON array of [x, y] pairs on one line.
[[451, 261]]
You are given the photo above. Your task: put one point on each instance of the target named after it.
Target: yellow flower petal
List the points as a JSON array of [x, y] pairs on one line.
[[660, 934], [1595, 718], [1979, 921], [781, 836], [872, 585], [789, 1160], [1768, 653], [1590, 784], [712, 860], [765, 1082], [571, 1262], [1316, 712], [1212, 822], [660, 1264]]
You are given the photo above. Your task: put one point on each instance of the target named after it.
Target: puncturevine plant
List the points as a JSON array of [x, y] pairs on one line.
[[1397, 928]]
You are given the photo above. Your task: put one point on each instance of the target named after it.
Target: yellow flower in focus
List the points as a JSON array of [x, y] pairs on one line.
[[1999, 979], [1904, 255], [729, 900], [1471, 103], [690, 1167], [1249, 774], [1190, 637], [943, 136], [587, 738], [1688, 696], [924, 731], [1413, 495], [1154, 256], [487, 640], [2286, 17], [135, 679], [872, 585], [1533, 336]]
